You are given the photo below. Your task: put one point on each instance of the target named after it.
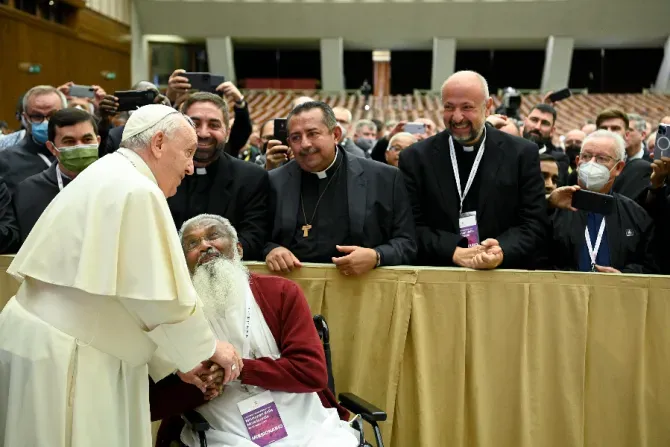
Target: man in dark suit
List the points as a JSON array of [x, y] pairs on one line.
[[539, 128], [619, 242], [330, 206], [31, 155], [73, 141], [222, 184], [501, 216], [9, 229], [633, 181]]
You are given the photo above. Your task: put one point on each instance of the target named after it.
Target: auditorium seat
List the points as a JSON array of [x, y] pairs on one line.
[[572, 112]]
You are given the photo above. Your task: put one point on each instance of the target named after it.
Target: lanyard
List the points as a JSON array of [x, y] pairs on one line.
[[59, 177], [473, 171], [246, 347], [44, 157], [593, 251]]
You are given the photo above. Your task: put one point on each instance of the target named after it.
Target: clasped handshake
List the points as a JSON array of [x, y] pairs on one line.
[[211, 375], [484, 256]]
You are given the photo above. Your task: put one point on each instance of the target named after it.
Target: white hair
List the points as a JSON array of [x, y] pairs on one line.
[[40, 90], [197, 220], [167, 125], [619, 143], [400, 135], [345, 110], [482, 79], [365, 123], [640, 123]]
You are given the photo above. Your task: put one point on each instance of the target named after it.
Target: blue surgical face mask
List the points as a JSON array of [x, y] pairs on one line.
[[40, 131]]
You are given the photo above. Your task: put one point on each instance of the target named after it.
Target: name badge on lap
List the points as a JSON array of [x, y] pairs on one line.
[[262, 419], [467, 223]]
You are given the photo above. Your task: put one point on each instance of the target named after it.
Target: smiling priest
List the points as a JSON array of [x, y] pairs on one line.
[[104, 288]]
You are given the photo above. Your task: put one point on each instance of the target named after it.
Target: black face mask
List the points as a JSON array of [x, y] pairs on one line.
[[572, 151]]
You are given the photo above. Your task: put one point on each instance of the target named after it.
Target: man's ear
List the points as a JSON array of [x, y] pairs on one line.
[[337, 131], [240, 250], [157, 144], [52, 149]]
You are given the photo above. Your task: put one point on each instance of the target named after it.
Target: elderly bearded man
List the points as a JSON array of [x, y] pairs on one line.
[[105, 290], [268, 320]]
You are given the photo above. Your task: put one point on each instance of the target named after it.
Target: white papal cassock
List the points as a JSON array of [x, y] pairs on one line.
[[105, 300]]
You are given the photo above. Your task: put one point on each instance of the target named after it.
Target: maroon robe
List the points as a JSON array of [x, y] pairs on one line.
[[301, 368]]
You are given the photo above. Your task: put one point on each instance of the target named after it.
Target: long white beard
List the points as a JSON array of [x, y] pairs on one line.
[[222, 285]]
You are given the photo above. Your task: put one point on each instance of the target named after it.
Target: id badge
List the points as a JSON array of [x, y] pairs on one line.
[[262, 419], [467, 223]]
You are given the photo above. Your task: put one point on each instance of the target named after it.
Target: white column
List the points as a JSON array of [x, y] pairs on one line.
[[557, 63], [663, 78], [220, 57], [139, 49], [444, 61], [332, 64]]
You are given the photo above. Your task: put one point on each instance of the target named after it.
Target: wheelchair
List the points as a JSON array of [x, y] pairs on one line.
[[354, 404]]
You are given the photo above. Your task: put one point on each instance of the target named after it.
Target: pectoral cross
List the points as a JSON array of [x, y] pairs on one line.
[[305, 230]]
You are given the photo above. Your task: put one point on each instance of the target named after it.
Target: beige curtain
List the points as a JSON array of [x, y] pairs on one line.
[[498, 359]]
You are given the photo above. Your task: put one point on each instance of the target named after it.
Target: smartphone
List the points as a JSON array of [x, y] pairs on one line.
[[560, 95], [204, 82], [134, 99], [593, 202], [662, 147], [281, 131], [82, 91], [415, 128]]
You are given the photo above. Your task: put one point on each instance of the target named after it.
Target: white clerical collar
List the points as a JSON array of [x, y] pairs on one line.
[[323, 174], [543, 149], [640, 154], [201, 171]]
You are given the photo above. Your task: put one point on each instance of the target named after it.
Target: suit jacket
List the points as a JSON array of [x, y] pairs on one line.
[[511, 205], [379, 213], [239, 193], [19, 162], [352, 149], [658, 207], [32, 197], [629, 237], [301, 368], [112, 142], [633, 182], [9, 229]]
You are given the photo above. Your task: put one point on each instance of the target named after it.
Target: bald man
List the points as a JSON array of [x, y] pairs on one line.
[[398, 143], [665, 120], [477, 193], [588, 128], [344, 117]]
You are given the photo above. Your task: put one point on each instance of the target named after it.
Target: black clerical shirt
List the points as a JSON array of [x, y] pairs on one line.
[[330, 223], [466, 159]]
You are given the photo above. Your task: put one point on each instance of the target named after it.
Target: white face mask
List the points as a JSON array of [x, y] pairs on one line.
[[594, 176]]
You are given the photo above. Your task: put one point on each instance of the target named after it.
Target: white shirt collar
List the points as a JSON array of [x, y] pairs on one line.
[[323, 174], [201, 171], [543, 149], [640, 154]]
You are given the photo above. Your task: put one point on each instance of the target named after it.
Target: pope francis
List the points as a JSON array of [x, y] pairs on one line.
[[105, 298]]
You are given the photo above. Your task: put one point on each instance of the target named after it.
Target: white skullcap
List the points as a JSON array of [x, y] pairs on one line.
[[144, 118]]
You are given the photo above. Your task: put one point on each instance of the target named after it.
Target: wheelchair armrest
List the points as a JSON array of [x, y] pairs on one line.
[[195, 421], [357, 405]]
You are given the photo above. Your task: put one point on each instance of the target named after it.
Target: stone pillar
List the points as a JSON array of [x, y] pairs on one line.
[[444, 61], [663, 78], [139, 49], [557, 63], [332, 64], [382, 72], [220, 57]]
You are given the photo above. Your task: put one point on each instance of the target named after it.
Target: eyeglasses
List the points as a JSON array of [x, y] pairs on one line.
[[395, 148], [38, 118], [600, 159]]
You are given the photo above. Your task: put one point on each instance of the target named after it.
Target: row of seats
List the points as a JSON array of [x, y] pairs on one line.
[[572, 112]]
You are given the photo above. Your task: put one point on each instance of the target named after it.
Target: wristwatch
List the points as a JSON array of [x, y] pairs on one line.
[[379, 258], [241, 103]]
